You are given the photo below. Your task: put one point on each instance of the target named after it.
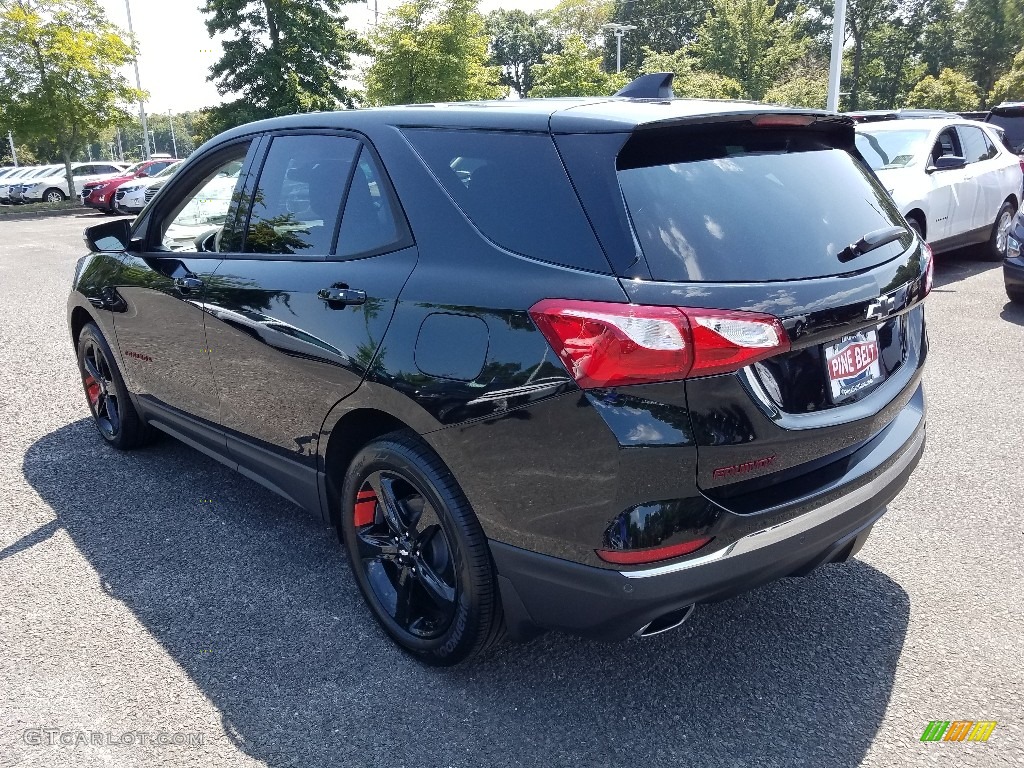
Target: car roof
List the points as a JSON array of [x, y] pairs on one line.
[[919, 123], [568, 115]]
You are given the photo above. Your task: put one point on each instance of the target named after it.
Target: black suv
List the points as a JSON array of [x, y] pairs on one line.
[[573, 364], [1010, 117]]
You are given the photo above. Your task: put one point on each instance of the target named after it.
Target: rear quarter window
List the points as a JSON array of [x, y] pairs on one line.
[[514, 190], [753, 206]]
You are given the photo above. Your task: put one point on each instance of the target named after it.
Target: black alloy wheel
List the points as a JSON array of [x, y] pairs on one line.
[[112, 410], [418, 553]]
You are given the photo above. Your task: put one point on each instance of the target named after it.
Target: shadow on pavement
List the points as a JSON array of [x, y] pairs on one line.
[[953, 266], [254, 600], [1013, 313]]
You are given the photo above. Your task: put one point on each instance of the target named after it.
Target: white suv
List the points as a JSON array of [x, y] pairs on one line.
[[54, 188], [954, 180]]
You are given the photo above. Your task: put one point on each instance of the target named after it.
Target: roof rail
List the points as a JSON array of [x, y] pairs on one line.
[[654, 86]]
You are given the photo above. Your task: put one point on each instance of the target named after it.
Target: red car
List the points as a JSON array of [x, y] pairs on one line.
[[100, 194]]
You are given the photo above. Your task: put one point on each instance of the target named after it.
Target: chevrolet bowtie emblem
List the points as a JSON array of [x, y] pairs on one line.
[[881, 307]]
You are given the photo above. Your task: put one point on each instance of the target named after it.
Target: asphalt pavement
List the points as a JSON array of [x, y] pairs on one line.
[[157, 609]]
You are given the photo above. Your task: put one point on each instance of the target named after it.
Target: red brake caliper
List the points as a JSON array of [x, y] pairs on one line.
[[366, 507], [92, 390]]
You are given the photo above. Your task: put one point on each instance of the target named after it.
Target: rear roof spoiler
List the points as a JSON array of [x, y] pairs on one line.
[[653, 86]]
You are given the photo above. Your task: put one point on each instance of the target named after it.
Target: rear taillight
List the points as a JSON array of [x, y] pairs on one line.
[[638, 556], [606, 345], [929, 268]]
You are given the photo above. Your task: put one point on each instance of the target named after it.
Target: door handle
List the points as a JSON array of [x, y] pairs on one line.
[[186, 284], [341, 296]]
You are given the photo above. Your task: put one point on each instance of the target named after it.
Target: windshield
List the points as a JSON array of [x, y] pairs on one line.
[[891, 149], [132, 170], [169, 170], [752, 207]]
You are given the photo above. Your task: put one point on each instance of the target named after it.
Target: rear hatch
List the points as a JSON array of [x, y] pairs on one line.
[[776, 215]]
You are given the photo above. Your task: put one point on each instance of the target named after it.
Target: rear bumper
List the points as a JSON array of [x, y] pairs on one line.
[[540, 591]]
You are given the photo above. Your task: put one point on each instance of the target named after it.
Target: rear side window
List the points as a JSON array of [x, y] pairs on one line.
[[297, 201], [751, 206], [976, 145], [368, 224], [512, 186]]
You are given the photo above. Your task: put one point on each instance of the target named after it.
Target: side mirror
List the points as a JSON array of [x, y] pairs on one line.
[[141, 175], [947, 163], [109, 236]]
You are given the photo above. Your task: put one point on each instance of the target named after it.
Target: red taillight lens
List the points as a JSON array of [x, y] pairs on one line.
[[605, 345], [638, 556], [929, 268]]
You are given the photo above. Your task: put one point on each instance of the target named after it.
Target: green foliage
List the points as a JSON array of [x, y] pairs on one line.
[[803, 87], [519, 40], [661, 25], [283, 56], [689, 82], [60, 74], [991, 32], [429, 51], [951, 90], [1010, 87], [743, 40], [574, 72], [579, 18]]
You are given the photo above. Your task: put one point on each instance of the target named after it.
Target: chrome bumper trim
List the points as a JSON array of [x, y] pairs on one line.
[[797, 525]]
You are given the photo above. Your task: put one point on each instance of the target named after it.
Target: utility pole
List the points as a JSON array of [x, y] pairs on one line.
[[10, 140], [619, 30], [174, 141], [375, 12], [138, 80], [120, 147], [836, 62], [150, 138]]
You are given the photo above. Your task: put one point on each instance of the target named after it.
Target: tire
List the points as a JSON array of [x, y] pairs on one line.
[[113, 412], [916, 226], [996, 247], [418, 553], [1014, 295], [54, 195]]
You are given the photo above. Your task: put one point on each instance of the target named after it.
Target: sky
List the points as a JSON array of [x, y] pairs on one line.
[[176, 51]]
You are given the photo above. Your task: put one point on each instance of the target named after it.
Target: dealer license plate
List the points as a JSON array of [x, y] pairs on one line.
[[852, 364]]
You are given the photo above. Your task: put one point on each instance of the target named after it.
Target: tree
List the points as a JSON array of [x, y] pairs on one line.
[[940, 38], [59, 78], [863, 18], [285, 56], [743, 40], [574, 72], [803, 87], [579, 18], [992, 33], [952, 91], [518, 42], [1010, 87], [428, 51], [664, 26], [690, 82]]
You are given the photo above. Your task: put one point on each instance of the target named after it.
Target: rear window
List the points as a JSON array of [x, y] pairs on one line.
[[512, 186], [1013, 124], [752, 207]]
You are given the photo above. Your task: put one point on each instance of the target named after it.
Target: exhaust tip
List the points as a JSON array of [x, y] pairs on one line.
[[669, 621]]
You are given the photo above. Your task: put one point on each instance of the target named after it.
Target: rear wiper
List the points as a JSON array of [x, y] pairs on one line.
[[871, 241]]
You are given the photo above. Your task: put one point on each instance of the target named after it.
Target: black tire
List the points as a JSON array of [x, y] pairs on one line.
[[113, 412], [916, 226], [996, 247], [420, 558], [54, 195], [1014, 295]]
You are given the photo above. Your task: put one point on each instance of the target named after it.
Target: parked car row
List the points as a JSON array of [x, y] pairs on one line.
[[101, 194], [49, 183]]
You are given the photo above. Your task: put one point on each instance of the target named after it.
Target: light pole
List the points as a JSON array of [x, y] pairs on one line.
[[618, 30], [174, 141], [14, 155], [138, 79], [836, 62]]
